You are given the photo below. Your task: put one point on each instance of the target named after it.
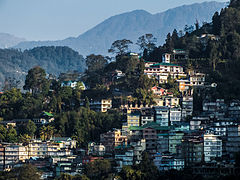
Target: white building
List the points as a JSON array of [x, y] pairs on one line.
[[161, 71], [162, 115], [175, 115], [212, 147]]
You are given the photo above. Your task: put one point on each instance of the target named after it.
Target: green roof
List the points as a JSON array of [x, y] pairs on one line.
[[48, 114], [163, 134], [156, 126], [164, 64], [152, 125], [135, 128]]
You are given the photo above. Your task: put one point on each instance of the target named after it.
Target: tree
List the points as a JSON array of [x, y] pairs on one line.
[[169, 43], [36, 81], [95, 62], [11, 136], [98, 169], [120, 47], [46, 132], [29, 128], [147, 41], [3, 133], [216, 23], [26, 172]]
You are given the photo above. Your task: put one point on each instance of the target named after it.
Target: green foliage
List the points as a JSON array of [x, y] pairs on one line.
[[46, 132], [36, 81], [94, 73], [8, 134], [147, 42], [86, 125], [26, 172], [9, 103], [28, 128], [95, 62], [98, 169], [120, 47], [54, 59], [69, 177]]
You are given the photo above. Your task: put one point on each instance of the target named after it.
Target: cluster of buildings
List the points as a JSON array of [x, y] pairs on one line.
[[174, 135], [36, 151], [171, 132], [176, 142]]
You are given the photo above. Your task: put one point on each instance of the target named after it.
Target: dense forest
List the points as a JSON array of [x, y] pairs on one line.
[[15, 63]]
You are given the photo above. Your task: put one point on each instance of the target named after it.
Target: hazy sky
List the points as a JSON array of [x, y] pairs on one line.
[[58, 19]]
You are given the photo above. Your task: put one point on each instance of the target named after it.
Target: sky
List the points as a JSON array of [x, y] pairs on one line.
[[59, 19]]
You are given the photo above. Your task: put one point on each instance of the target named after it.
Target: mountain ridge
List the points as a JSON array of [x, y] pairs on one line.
[[131, 25], [8, 40]]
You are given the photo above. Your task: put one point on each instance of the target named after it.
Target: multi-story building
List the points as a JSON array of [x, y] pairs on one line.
[[138, 148], [212, 147], [147, 115], [187, 106], [150, 134], [10, 154], [234, 109], [96, 149], [168, 162], [162, 142], [192, 149], [175, 115], [102, 105], [233, 140], [112, 139], [197, 79], [162, 115], [124, 157], [168, 101], [161, 71], [133, 118], [175, 139]]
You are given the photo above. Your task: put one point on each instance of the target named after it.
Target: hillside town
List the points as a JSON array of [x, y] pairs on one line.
[[174, 133]]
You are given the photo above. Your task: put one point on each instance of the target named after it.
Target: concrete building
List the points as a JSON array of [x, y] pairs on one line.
[[233, 140], [192, 149], [212, 147], [123, 157], [175, 115], [112, 139], [161, 71], [162, 142], [147, 115], [167, 101], [175, 139], [162, 115], [187, 106], [133, 118], [168, 162], [102, 105], [150, 134]]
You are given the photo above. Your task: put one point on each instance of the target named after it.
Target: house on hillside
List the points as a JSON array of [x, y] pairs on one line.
[[162, 71]]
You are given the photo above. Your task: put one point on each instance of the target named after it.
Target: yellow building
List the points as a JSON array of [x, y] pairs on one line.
[[133, 119]]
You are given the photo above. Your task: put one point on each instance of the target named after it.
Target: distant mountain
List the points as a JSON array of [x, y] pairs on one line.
[[8, 40], [132, 25]]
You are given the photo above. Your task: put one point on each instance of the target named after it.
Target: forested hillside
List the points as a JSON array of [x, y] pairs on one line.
[[54, 60], [213, 48]]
